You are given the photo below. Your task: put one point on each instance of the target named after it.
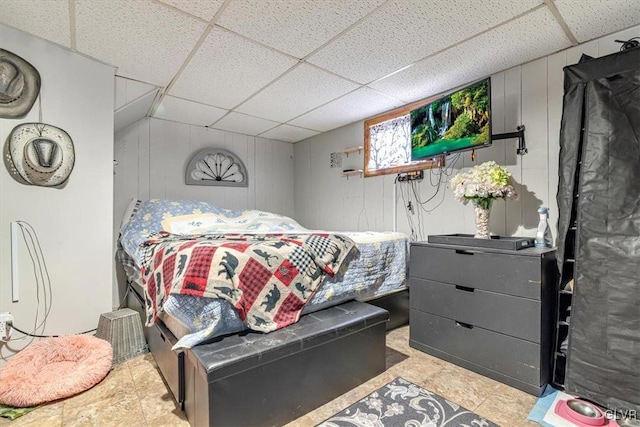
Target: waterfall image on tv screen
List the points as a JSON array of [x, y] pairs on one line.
[[459, 121]]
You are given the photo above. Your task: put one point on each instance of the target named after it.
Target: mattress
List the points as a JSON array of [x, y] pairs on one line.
[[376, 267]]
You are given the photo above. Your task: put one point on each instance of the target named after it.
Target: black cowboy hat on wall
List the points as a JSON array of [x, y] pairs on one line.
[[19, 85]]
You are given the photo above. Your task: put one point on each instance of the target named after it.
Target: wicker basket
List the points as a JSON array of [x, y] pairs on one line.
[[123, 329]]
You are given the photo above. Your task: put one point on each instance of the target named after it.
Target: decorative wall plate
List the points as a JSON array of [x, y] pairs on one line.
[[216, 166]]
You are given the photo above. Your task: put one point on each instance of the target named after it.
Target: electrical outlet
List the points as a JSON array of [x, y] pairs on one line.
[[6, 320], [410, 176]]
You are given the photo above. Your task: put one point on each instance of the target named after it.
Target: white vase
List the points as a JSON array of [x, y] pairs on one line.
[[482, 209]]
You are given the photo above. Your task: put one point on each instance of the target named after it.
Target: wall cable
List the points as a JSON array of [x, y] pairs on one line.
[[49, 336], [43, 280]]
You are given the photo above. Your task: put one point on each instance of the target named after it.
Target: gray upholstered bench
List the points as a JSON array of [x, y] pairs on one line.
[[254, 379]]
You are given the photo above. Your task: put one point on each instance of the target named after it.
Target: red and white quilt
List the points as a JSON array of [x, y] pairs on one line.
[[268, 278]]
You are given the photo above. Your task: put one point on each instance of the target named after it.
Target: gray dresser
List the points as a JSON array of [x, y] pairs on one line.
[[487, 310]]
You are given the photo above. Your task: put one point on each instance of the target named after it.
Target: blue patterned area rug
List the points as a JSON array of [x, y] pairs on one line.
[[401, 403]]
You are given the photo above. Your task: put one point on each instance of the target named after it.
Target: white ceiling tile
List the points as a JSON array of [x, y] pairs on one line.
[[357, 105], [146, 40], [183, 111], [205, 9], [227, 69], [289, 133], [532, 36], [133, 111], [241, 123], [296, 27], [590, 19], [300, 90], [48, 19], [128, 90], [404, 31]]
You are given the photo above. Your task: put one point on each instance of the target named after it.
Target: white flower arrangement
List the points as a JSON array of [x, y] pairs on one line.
[[482, 184]]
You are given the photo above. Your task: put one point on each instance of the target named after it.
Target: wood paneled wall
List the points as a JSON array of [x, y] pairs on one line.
[[152, 156], [529, 94]]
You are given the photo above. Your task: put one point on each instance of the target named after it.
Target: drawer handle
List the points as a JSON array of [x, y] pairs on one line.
[[464, 288], [464, 325], [162, 336], [464, 252]]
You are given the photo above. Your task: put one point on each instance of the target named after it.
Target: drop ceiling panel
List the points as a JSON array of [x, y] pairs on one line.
[[404, 31], [133, 111], [241, 123], [145, 40], [128, 90], [531, 36], [590, 19], [358, 105], [205, 9], [48, 19], [183, 111], [295, 27], [298, 91], [289, 133], [227, 69]]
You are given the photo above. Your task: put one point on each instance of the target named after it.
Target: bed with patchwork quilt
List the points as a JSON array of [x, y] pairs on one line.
[[208, 271]]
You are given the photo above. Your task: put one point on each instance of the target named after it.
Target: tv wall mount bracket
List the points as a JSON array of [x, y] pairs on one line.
[[519, 133]]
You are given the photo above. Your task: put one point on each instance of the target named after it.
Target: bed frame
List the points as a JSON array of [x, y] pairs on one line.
[[215, 383]]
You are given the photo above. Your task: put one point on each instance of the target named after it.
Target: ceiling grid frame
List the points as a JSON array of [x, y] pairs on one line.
[[288, 55]]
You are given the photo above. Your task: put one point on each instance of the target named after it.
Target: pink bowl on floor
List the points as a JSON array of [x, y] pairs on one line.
[[576, 411]]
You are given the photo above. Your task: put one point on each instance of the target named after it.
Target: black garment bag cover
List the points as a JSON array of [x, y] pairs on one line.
[[601, 109]]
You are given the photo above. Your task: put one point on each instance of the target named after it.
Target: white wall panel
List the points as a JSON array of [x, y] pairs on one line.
[[152, 155], [73, 223], [529, 94], [555, 81], [512, 118]]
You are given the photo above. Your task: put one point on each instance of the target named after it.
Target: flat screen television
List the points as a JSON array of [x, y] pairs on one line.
[[456, 122]]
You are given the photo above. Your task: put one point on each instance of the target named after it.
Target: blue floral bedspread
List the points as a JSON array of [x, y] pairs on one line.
[[376, 267]]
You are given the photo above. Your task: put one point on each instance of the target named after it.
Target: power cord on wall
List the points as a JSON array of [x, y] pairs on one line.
[[629, 44], [415, 206], [41, 275], [43, 285], [45, 336]]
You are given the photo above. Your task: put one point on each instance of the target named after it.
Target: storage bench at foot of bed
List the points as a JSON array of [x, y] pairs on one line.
[[254, 379]]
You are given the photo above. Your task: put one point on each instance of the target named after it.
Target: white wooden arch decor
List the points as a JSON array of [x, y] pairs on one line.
[[216, 166]]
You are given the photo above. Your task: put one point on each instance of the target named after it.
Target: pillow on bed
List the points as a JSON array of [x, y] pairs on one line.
[[128, 212], [148, 219], [190, 224], [249, 221]]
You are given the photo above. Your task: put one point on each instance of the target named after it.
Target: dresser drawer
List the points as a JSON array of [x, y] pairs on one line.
[[515, 316], [504, 273], [503, 354]]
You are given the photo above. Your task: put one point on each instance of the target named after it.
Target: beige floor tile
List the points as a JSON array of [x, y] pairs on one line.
[[170, 419], [157, 404], [148, 381], [55, 421], [460, 386], [144, 359], [120, 410], [417, 370], [117, 382], [45, 415], [134, 394], [508, 407]]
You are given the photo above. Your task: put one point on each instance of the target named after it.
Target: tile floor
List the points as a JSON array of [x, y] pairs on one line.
[[133, 394]]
